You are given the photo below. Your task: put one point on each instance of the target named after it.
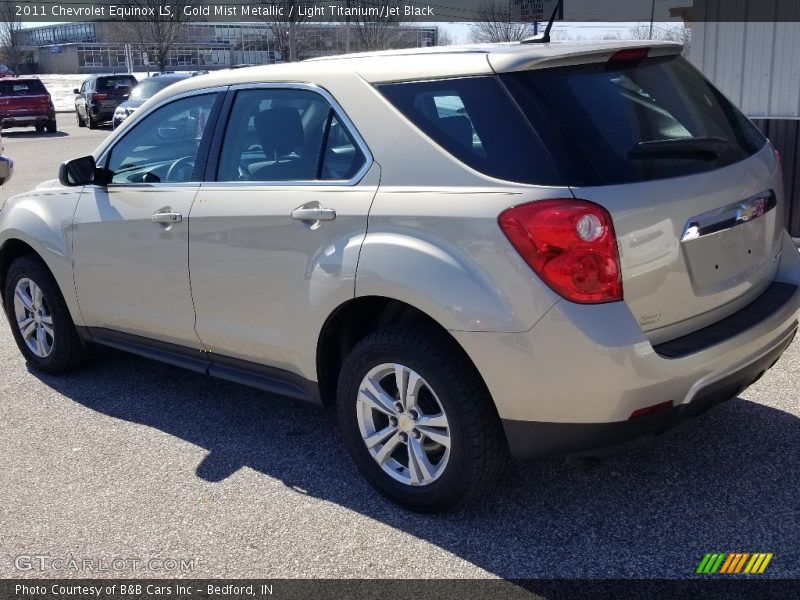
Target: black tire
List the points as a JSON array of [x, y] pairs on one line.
[[90, 121], [81, 122], [68, 350], [39, 128], [478, 450], [51, 126]]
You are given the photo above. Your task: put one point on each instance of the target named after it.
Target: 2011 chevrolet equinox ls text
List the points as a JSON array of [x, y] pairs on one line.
[[519, 249]]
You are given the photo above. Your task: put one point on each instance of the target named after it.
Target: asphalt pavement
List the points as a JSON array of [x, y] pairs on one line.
[[172, 473]]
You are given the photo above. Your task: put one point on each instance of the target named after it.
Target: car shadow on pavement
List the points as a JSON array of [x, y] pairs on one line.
[[725, 482], [22, 135]]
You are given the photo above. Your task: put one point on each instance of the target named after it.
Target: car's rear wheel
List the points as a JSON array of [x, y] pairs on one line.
[[39, 128], [39, 318], [418, 420], [52, 127], [81, 122]]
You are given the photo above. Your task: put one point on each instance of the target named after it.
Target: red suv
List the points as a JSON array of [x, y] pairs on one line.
[[25, 102]]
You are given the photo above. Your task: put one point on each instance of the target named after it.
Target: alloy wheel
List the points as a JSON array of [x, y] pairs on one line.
[[33, 317], [403, 424]]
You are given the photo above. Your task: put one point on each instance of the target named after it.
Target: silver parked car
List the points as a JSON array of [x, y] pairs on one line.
[[529, 248]]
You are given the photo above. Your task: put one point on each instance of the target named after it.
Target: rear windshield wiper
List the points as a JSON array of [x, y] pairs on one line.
[[700, 148]]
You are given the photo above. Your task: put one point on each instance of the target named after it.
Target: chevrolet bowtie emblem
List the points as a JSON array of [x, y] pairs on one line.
[[750, 210]]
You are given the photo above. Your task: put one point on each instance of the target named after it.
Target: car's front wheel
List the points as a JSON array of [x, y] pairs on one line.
[[81, 121], [418, 420], [39, 318]]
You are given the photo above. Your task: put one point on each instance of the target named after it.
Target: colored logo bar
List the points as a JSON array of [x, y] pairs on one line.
[[733, 563]]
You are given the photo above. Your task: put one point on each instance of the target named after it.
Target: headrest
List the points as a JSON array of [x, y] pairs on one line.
[[279, 130]]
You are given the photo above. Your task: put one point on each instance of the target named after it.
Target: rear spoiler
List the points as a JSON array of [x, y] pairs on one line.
[[545, 57]]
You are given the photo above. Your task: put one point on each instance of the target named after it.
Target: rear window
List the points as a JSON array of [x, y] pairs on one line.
[[597, 120], [112, 83], [21, 87], [476, 121]]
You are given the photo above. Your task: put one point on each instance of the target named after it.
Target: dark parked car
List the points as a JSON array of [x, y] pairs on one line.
[[99, 96], [143, 91], [25, 102]]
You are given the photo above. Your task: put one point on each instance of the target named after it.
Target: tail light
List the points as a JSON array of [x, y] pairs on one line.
[[570, 244], [779, 158], [98, 97]]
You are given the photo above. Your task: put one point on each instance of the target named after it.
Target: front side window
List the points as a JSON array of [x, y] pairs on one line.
[[286, 135], [163, 147]]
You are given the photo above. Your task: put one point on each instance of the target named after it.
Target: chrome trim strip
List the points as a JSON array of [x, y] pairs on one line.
[[729, 216]]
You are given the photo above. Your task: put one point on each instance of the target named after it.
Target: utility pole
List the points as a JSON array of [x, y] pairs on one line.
[[292, 43], [347, 29]]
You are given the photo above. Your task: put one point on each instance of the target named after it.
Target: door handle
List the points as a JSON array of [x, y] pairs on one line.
[[314, 214], [165, 215]]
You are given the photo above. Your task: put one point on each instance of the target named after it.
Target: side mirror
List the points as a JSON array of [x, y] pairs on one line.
[[82, 171], [76, 91], [6, 169]]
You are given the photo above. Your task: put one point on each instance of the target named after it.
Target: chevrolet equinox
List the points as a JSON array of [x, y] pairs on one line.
[[474, 253]]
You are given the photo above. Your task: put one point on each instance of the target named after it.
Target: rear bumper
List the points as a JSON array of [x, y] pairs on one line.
[[23, 120], [102, 113], [572, 383], [528, 438]]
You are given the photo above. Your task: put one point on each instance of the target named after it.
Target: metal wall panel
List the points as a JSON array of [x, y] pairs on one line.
[[756, 64], [785, 136]]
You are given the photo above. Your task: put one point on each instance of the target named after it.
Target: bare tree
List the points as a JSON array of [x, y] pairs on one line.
[[289, 28], [10, 37], [152, 28], [371, 31], [444, 38], [494, 24], [565, 34], [661, 32]]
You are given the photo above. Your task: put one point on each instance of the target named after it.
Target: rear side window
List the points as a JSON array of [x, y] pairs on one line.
[[21, 88], [476, 121], [604, 122]]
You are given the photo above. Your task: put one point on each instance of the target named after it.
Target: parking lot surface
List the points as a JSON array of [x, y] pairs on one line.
[[132, 459]]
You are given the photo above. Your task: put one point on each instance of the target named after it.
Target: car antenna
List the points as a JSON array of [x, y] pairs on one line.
[[544, 38]]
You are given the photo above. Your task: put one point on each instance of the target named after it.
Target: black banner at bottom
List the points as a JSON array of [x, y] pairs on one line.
[[345, 589]]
